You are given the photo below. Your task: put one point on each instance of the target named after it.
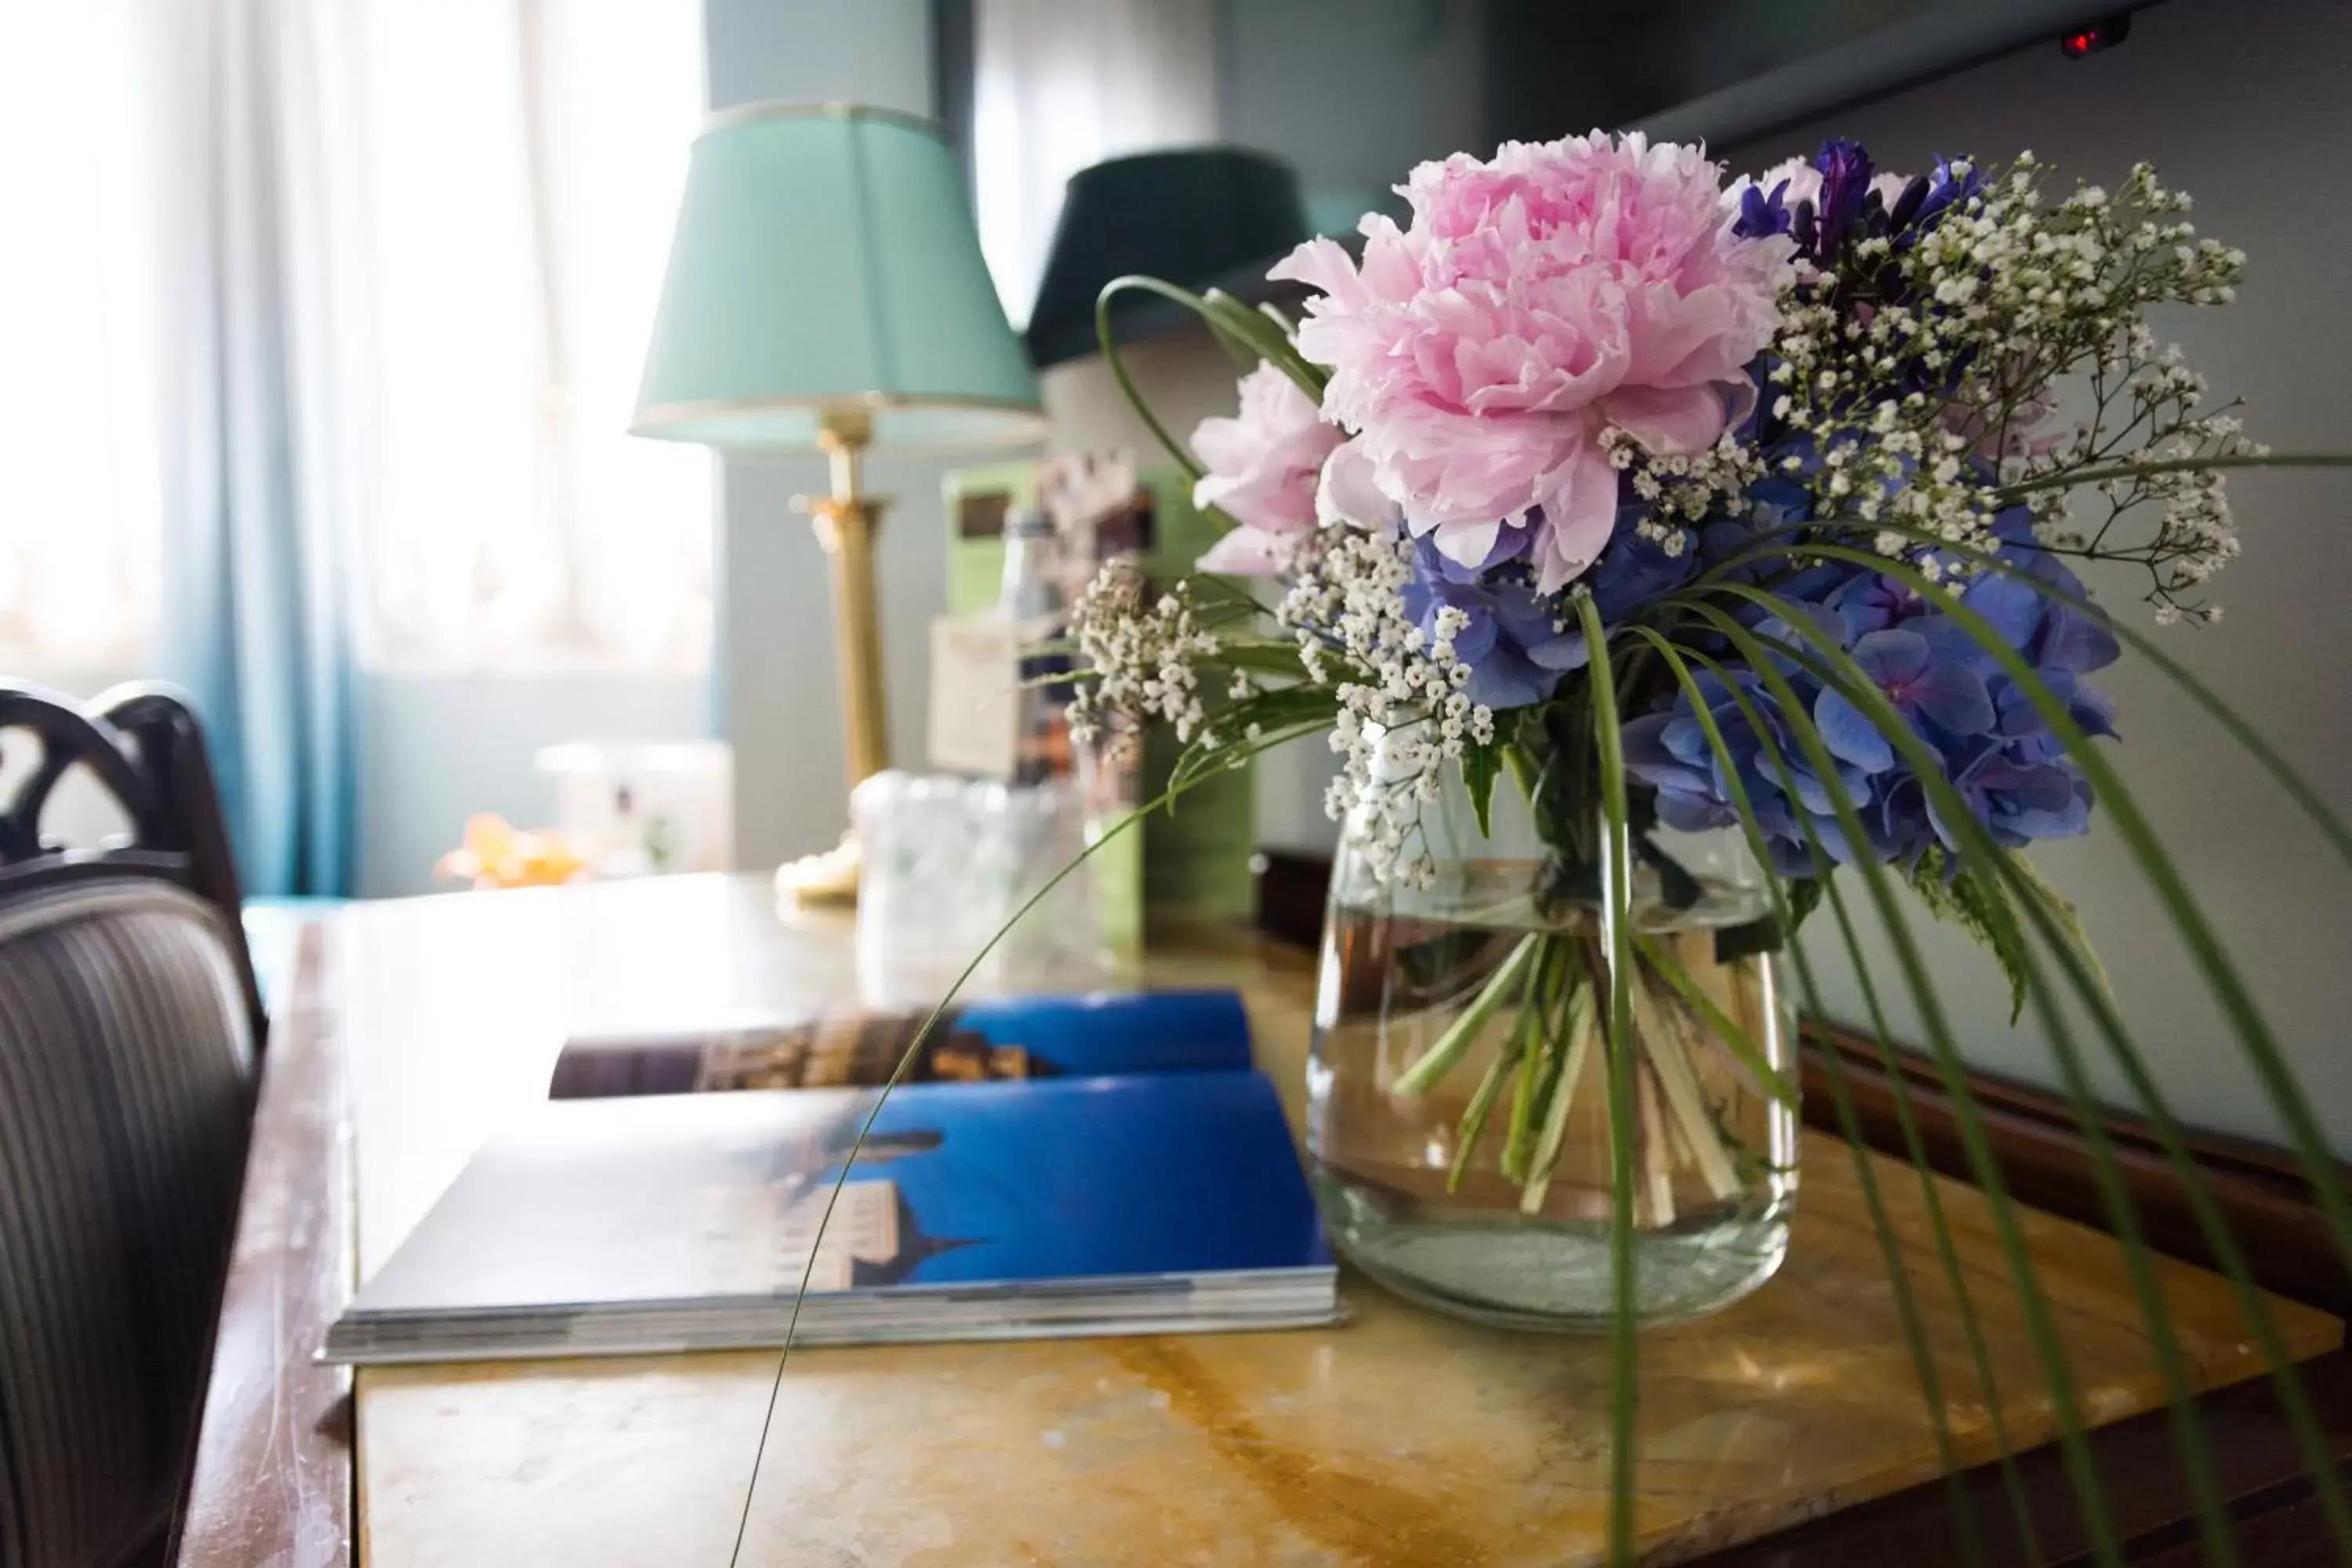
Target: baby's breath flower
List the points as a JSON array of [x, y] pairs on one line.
[[1142, 658]]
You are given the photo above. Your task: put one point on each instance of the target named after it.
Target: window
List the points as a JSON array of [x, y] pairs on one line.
[[518, 168], [1060, 84], [485, 211], [79, 459]]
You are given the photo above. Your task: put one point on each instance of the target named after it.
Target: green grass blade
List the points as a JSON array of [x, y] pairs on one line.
[[1898, 1275], [1527, 1033], [1978, 844], [1767, 1077], [2089, 985], [2244, 734], [2122, 1220], [1617, 922], [2196, 933], [1983, 1167], [2229, 1257], [1906, 1122], [1439, 1060], [1552, 1128], [2067, 482]]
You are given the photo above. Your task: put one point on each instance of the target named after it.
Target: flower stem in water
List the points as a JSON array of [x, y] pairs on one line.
[[1439, 1060], [1526, 1034], [1669, 1050], [1576, 1037]]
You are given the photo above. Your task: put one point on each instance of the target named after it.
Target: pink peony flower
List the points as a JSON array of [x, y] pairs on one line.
[[1535, 300], [1349, 492], [1263, 466]]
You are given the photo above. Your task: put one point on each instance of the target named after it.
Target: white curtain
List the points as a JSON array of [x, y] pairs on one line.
[[1061, 84], [79, 438]]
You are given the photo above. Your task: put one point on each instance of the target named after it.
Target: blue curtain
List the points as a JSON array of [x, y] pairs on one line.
[[258, 626]]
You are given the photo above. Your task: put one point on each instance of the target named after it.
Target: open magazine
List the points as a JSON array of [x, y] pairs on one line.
[[1165, 1198], [1004, 1037]]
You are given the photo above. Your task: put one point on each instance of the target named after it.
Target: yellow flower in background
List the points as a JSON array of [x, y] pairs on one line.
[[495, 854]]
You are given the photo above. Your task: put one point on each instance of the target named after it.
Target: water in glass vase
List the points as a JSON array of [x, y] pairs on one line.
[[1458, 1097]]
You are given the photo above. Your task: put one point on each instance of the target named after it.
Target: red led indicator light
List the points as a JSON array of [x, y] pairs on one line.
[[2098, 36]]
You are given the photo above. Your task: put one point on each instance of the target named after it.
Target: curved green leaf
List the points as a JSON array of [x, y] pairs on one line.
[[1617, 920], [1849, 1123], [1175, 449], [1983, 1166], [2053, 919], [2197, 932]]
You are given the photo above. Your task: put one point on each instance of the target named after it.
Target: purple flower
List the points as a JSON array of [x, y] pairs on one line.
[[1941, 191], [1763, 208], [1826, 202], [1845, 174]]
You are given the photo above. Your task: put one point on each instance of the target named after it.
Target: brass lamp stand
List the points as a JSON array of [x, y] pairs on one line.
[[845, 523]]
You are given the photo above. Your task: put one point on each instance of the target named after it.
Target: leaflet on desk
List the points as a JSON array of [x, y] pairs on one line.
[[1078, 1205], [980, 1041]]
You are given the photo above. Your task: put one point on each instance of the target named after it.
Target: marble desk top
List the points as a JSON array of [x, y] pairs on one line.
[[1401, 1440]]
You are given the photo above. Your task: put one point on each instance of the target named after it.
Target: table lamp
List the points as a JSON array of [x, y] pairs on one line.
[[826, 291]]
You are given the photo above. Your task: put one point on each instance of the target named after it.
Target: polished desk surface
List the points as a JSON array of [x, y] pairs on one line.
[[1401, 1438]]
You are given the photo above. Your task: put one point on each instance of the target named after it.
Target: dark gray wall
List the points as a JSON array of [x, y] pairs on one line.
[[2245, 104]]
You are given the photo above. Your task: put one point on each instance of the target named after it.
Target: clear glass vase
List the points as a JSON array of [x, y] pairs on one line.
[[1458, 1116]]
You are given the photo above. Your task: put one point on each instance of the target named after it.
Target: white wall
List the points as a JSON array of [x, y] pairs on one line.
[[2243, 103], [1352, 93]]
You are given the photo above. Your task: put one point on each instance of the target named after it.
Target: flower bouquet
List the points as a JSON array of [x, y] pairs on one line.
[[1612, 506], [1612, 510]]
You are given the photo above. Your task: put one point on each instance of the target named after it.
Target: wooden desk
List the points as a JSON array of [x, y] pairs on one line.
[[1401, 1439]]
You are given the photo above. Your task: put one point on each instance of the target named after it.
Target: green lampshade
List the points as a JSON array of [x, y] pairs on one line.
[[825, 259]]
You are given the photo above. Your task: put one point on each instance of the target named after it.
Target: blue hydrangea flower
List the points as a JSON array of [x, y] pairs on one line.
[[1994, 745], [1669, 751], [1512, 640], [1934, 685], [1519, 642]]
